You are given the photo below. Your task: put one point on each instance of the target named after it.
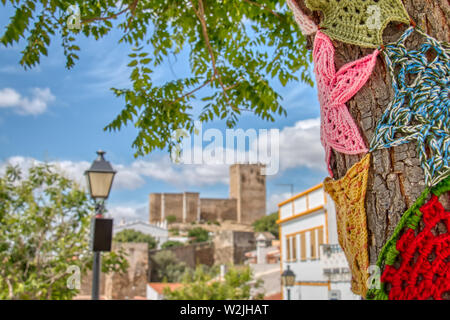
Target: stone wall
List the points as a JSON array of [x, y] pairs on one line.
[[86, 285], [184, 206], [218, 209], [191, 206], [172, 205], [154, 207], [230, 246], [192, 255], [132, 283]]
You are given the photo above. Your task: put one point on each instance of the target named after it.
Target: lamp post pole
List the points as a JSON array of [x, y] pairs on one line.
[[289, 293], [99, 178], [96, 266], [96, 276]]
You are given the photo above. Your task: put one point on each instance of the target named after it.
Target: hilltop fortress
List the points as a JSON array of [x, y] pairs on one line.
[[246, 203]]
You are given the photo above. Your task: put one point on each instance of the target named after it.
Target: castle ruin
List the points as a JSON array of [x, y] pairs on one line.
[[246, 203]]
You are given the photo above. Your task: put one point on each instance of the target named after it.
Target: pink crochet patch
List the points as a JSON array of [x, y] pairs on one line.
[[307, 26], [338, 129]]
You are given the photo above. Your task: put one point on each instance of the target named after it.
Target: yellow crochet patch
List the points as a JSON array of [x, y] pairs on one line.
[[349, 195], [358, 22]]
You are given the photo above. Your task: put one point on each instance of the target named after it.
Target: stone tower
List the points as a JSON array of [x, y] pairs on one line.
[[248, 187]]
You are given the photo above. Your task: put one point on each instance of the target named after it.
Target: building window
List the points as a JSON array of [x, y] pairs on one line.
[[320, 236], [291, 248], [302, 246], [313, 243], [294, 248], [288, 249], [310, 250]]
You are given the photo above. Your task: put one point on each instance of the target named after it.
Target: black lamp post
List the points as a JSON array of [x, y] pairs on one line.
[[288, 281], [100, 177]]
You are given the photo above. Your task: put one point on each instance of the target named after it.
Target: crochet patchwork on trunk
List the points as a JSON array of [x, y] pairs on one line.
[[349, 194], [417, 256], [359, 22], [419, 112], [307, 26], [338, 129]]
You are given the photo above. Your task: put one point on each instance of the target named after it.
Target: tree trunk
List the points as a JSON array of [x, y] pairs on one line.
[[396, 178]]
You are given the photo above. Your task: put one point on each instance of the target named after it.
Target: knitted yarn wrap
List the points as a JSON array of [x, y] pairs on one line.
[[338, 129], [416, 259], [349, 195], [307, 26], [359, 22], [419, 112]]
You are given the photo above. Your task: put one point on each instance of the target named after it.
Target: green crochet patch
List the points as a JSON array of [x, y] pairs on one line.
[[359, 22], [410, 219]]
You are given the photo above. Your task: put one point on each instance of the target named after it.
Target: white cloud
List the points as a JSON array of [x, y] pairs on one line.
[[190, 174], [300, 146], [274, 199], [37, 103], [128, 212], [123, 212], [125, 178]]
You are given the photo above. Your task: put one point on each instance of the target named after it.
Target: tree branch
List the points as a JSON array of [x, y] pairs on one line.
[[131, 7], [195, 90], [200, 12]]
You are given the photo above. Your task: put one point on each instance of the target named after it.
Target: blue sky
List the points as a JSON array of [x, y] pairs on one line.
[[57, 115]]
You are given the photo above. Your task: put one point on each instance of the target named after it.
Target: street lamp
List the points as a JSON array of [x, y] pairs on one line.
[[100, 177], [288, 281]]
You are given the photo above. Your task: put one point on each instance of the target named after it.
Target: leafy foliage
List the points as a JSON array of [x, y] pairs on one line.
[[171, 219], [169, 269], [44, 229], [201, 285], [235, 48], [171, 244], [267, 224], [199, 234], [130, 235]]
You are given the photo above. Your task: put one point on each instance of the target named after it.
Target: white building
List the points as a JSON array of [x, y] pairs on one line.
[[309, 245], [160, 233]]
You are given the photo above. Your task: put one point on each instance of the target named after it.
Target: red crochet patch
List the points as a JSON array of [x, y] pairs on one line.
[[422, 270]]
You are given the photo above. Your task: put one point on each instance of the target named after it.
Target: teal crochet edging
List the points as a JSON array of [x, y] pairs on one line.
[[410, 219]]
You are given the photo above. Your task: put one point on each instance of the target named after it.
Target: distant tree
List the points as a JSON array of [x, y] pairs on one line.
[[168, 267], [171, 219], [199, 234], [130, 235], [201, 285], [267, 224], [44, 235], [171, 244]]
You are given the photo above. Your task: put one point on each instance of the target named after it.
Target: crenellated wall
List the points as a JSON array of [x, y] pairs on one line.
[[218, 209], [246, 204]]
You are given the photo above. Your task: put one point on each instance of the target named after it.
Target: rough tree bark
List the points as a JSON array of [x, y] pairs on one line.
[[396, 178]]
